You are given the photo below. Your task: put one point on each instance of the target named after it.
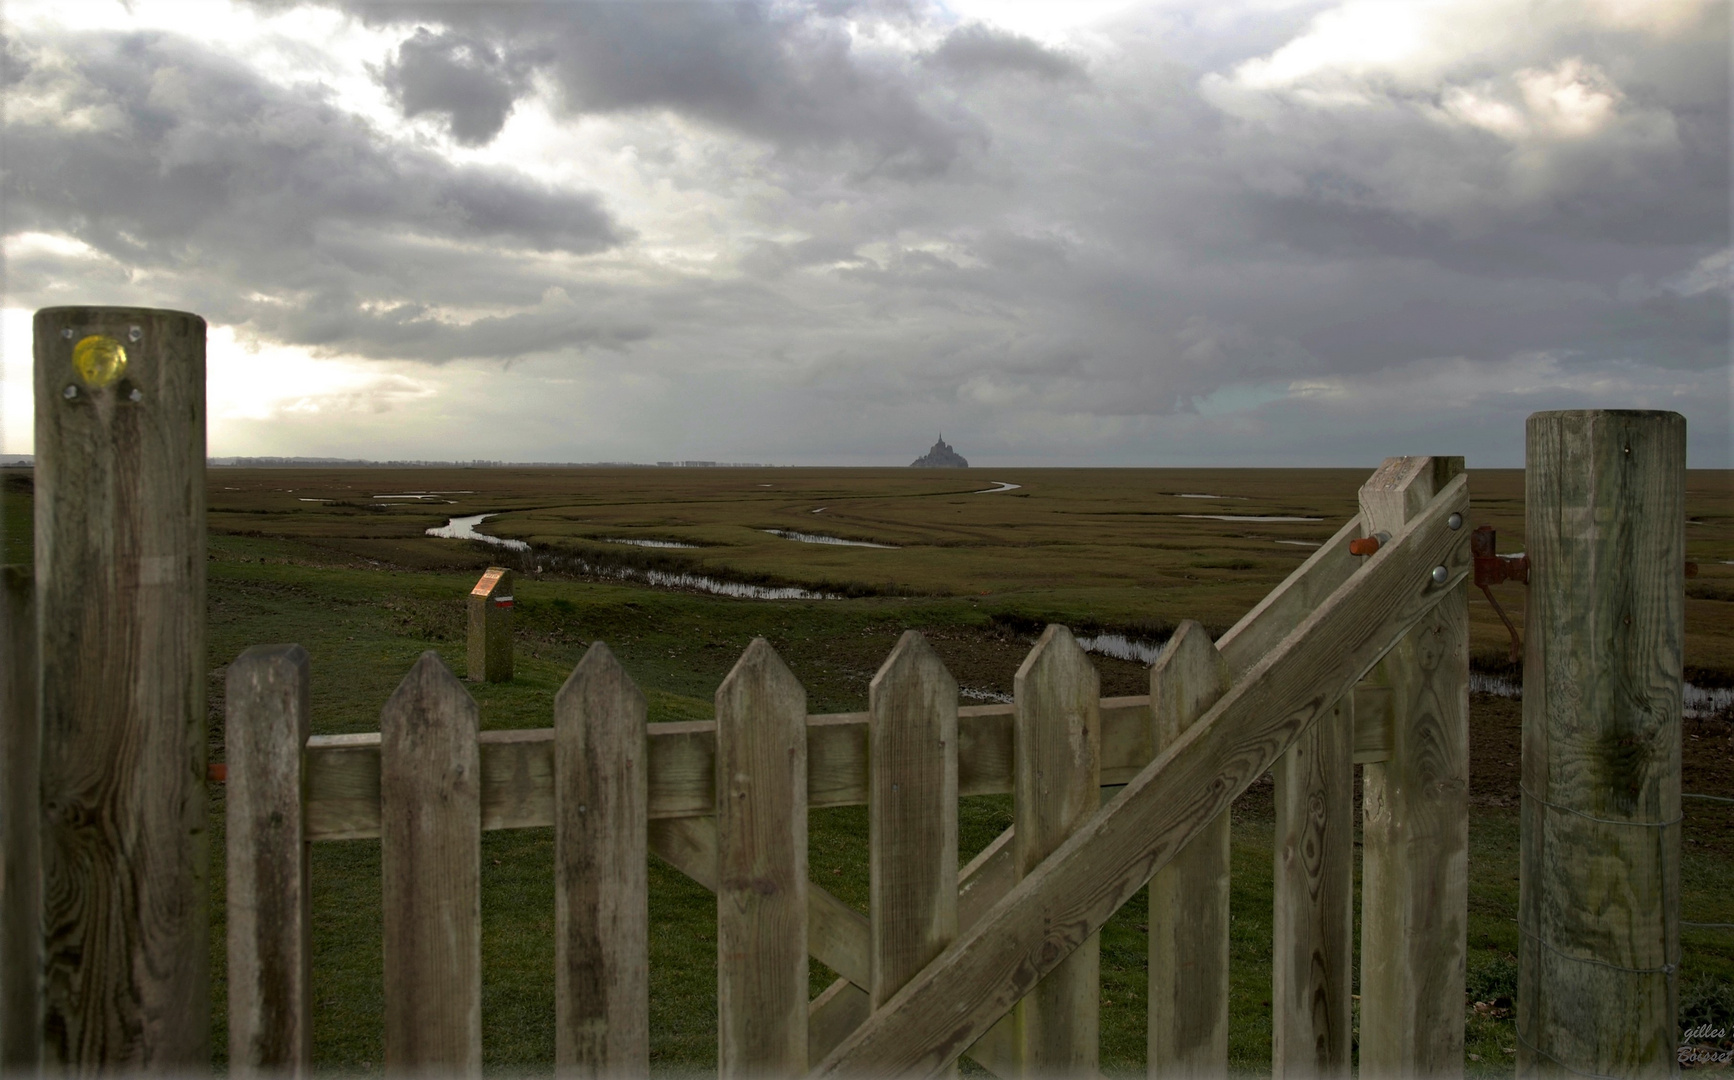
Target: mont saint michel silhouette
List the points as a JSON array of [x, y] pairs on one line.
[[942, 456]]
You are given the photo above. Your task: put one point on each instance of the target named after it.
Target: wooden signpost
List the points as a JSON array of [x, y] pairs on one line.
[[491, 627]]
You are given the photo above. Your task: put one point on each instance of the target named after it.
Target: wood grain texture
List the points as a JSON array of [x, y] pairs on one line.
[[1058, 789], [1064, 901], [601, 878], [1600, 848], [1375, 718], [989, 876], [1415, 819], [1188, 970], [518, 767], [120, 593], [270, 924], [839, 1009], [430, 859], [1313, 900], [489, 645], [1287, 605], [20, 862], [912, 813], [761, 892]]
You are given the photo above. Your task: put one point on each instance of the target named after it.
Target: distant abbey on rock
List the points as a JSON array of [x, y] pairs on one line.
[[941, 456]]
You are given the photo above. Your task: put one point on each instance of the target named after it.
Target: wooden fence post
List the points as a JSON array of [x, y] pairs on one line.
[[120, 593], [761, 889], [1415, 816], [601, 883], [490, 639], [20, 872], [1057, 788], [270, 924], [1188, 996], [1600, 866], [430, 822], [912, 813]]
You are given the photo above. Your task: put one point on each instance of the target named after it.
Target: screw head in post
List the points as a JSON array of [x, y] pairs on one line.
[[1454, 522], [1441, 575]]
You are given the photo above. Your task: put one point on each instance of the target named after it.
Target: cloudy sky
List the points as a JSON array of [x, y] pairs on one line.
[[1188, 232]]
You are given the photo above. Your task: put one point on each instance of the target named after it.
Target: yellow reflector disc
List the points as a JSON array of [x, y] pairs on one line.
[[99, 360]]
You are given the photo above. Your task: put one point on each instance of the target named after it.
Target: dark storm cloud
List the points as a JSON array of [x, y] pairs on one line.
[[464, 79], [171, 160], [787, 75], [976, 49]]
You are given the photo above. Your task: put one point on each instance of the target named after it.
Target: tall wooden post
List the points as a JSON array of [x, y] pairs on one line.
[[1599, 898], [490, 651], [20, 868], [120, 591]]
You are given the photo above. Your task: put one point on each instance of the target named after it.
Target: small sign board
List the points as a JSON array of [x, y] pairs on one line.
[[490, 643]]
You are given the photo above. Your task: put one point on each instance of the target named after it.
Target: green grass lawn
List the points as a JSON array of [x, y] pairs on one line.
[[364, 628], [364, 615]]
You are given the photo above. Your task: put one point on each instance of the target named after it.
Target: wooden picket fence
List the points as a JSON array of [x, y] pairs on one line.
[[1351, 660]]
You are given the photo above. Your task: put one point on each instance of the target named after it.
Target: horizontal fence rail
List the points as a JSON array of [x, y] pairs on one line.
[[517, 766]]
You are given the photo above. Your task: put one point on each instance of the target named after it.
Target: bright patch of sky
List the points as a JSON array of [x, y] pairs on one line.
[[1097, 232]]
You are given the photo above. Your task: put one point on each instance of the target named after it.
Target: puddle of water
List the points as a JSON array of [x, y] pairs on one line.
[[645, 543], [1195, 495], [1302, 543], [821, 509], [1700, 703], [1249, 517], [663, 579], [815, 538], [464, 528], [412, 495], [1121, 647], [998, 486], [299, 498]]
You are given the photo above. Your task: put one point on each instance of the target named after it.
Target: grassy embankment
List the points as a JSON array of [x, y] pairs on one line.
[[365, 594]]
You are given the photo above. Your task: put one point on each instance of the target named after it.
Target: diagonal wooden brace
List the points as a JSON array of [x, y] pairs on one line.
[[963, 992]]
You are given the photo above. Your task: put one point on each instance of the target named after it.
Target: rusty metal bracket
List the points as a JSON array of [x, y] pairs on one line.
[[1494, 569]]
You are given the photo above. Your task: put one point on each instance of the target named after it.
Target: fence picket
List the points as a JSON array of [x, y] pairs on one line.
[[1188, 974], [270, 927], [601, 879], [20, 874], [912, 815], [430, 855], [1058, 788], [1312, 924], [761, 895], [1415, 820]]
